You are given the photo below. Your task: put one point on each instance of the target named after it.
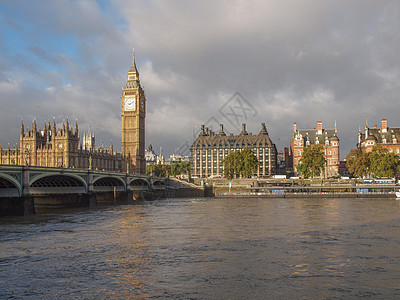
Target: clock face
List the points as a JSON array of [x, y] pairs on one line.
[[142, 104], [130, 103]]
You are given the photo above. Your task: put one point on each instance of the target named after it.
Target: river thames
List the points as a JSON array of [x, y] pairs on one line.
[[206, 248]]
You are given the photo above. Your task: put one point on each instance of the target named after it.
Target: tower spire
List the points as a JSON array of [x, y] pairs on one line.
[[133, 69]]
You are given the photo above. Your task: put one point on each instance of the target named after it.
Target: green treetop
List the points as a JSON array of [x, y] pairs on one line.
[[243, 163], [312, 162]]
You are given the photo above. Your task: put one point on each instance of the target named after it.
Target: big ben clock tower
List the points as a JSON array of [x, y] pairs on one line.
[[133, 113]]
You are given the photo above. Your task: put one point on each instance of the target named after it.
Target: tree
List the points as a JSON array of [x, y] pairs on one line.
[[243, 163], [358, 162], [312, 162], [383, 163], [179, 168], [158, 170], [232, 164], [250, 162]]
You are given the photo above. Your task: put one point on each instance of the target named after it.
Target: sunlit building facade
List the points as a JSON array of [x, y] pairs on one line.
[[209, 150]]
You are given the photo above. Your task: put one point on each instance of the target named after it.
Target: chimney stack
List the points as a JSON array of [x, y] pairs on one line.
[[384, 125], [319, 127], [244, 132]]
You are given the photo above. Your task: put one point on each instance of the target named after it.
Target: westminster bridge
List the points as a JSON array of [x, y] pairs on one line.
[[22, 188]]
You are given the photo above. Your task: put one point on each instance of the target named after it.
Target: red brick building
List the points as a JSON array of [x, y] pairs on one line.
[[326, 137], [384, 136]]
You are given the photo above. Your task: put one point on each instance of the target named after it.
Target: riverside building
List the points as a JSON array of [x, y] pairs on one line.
[[209, 150], [387, 137], [52, 147], [317, 136]]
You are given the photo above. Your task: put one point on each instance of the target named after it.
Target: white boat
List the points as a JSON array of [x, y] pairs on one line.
[[398, 194]]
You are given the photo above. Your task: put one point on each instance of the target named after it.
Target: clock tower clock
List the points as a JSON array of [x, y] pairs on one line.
[[133, 113]]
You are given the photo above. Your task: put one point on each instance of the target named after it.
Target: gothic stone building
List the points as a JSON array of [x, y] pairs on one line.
[[326, 137], [209, 150], [52, 147], [387, 137], [49, 147], [133, 113]]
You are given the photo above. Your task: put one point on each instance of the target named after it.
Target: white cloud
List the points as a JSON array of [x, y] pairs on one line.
[[294, 61]]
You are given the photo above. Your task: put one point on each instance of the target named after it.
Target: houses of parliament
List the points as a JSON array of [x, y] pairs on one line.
[[50, 146]]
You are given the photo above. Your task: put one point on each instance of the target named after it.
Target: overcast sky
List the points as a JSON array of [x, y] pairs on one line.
[[231, 62]]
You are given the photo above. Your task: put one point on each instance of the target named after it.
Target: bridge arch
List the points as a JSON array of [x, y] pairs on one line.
[[58, 183], [108, 183], [9, 186], [159, 185], [159, 182], [139, 184]]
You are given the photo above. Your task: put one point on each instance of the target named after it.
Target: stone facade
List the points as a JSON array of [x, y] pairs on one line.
[[52, 147], [308, 137], [133, 113], [387, 137], [151, 156], [209, 150]]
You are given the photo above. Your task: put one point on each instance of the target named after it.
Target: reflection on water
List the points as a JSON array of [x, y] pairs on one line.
[[206, 249]]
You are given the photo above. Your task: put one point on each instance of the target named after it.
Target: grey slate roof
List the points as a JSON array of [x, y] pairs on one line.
[[312, 135], [392, 133], [207, 138]]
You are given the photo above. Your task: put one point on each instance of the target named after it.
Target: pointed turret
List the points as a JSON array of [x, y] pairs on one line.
[[76, 127], [22, 127], [54, 127]]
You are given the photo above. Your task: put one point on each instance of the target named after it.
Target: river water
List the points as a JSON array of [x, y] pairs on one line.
[[210, 248]]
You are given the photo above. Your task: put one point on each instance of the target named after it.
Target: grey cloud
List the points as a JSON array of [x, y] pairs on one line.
[[294, 61]]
